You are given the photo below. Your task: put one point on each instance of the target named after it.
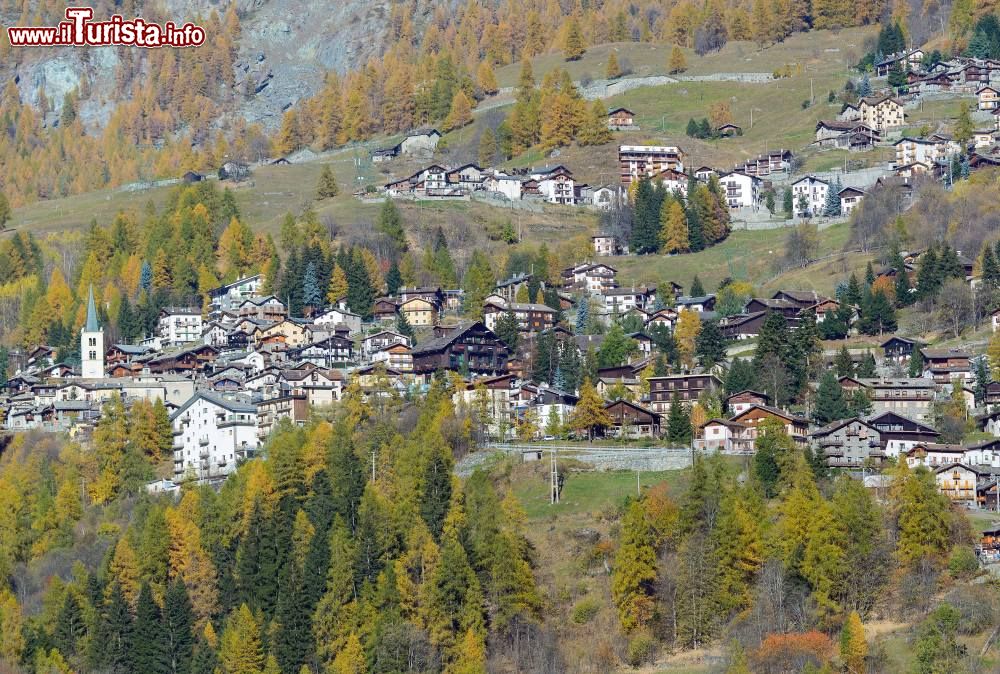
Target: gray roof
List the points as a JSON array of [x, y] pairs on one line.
[[92, 325], [238, 406]]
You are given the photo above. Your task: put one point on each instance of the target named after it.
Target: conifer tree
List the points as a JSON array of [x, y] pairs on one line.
[[679, 431], [589, 414], [327, 187], [633, 577], [117, 632], [70, 625], [393, 279], [830, 404], [507, 329], [582, 314], [710, 344], [487, 147], [240, 648], [674, 229], [178, 623], [594, 130], [436, 497], [843, 363], [612, 70], [338, 285], [697, 289], [149, 646], [460, 113], [853, 646], [573, 45], [677, 63], [390, 223], [5, 212], [915, 367]]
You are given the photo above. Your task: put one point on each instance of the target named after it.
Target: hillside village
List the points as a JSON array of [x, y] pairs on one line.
[[737, 472]]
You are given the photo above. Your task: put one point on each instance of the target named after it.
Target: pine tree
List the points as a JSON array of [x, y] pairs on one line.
[[844, 364], [866, 368], [915, 366], [582, 314], [677, 63], [865, 86], [149, 647], [327, 187], [508, 330], [697, 289], [830, 404], [240, 648], [312, 294], [436, 498], [178, 623], [679, 431], [390, 223], [338, 285], [5, 212], [117, 632], [393, 279], [710, 344], [70, 625]]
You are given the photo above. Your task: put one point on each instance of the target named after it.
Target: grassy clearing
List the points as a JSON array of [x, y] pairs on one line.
[[821, 49], [746, 255]]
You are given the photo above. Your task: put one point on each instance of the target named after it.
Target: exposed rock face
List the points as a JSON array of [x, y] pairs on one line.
[[285, 48]]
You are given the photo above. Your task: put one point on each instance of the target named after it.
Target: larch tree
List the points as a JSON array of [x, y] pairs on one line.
[[487, 147], [612, 71], [240, 648], [486, 78], [327, 187], [633, 577], [594, 130], [674, 229], [853, 646], [573, 44], [589, 413], [338, 285], [677, 63], [460, 113], [688, 327]]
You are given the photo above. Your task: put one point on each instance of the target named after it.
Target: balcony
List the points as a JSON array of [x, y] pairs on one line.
[[203, 441]]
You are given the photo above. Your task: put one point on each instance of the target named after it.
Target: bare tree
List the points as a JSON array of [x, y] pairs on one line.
[[956, 308]]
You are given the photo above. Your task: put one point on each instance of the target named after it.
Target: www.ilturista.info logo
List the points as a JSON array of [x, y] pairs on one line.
[[79, 30]]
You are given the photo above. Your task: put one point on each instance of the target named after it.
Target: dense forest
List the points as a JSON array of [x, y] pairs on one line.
[[349, 547]]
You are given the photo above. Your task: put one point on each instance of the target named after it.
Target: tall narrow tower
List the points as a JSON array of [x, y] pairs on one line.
[[92, 343]]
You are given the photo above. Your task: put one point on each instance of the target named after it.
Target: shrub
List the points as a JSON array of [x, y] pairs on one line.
[[963, 562], [585, 610], [640, 649]]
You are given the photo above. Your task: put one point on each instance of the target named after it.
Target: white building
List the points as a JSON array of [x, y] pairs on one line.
[[230, 296], [92, 343], [924, 150], [850, 198], [179, 325], [742, 190], [338, 316], [813, 190], [211, 434], [556, 185], [501, 183]]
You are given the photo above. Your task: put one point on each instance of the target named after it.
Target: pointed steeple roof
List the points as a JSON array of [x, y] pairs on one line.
[[92, 325]]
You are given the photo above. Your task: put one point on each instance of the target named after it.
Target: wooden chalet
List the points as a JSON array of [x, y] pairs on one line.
[[472, 347], [631, 420], [796, 427], [899, 433]]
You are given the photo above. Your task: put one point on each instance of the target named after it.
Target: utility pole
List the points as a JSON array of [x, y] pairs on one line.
[[812, 96], [373, 466], [554, 477]]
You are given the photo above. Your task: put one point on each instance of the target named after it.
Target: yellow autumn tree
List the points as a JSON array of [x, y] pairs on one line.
[[338, 285], [351, 660], [240, 648], [59, 296], [674, 229], [688, 328], [486, 78], [125, 569], [460, 113], [677, 62]]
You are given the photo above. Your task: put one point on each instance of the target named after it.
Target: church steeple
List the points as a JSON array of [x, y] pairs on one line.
[[92, 325], [92, 343]]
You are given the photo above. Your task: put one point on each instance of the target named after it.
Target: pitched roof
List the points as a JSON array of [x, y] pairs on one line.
[[236, 406], [92, 325]]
